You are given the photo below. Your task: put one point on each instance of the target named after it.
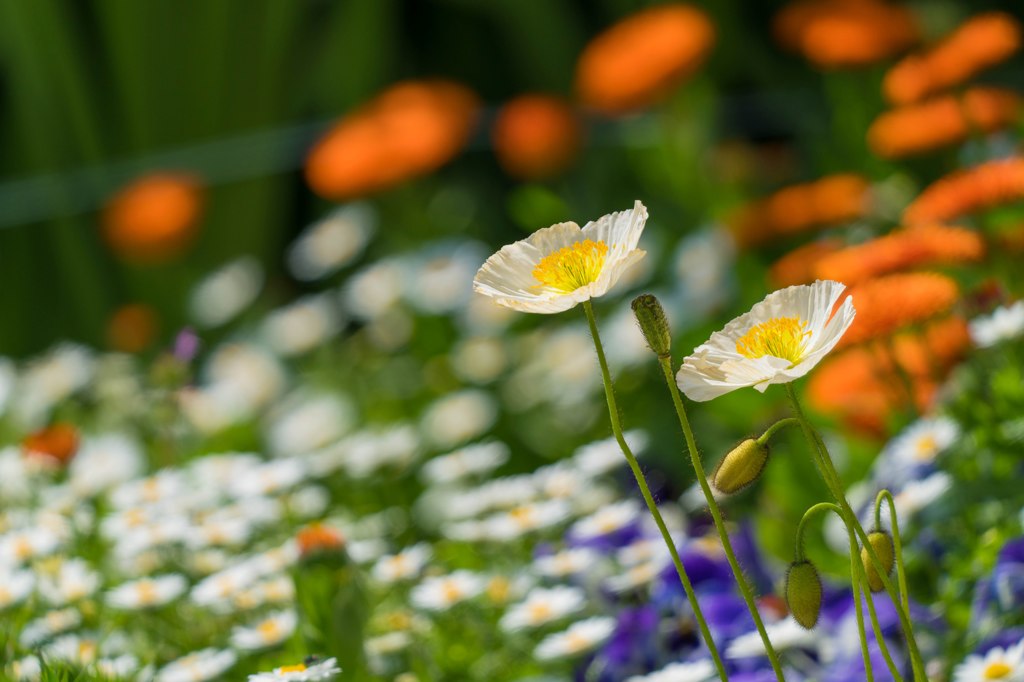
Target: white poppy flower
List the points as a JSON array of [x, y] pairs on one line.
[[998, 664], [779, 340], [559, 266]]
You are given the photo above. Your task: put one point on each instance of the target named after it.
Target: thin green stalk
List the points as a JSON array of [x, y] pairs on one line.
[[776, 427], [716, 514], [828, 472], [613, 414], [882, 646], [901, 572]]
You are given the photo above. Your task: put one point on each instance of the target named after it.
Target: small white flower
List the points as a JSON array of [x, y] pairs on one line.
[[560, 266], [602, 456], [226, 292], [52, 623], [635, 576], [785, 634], [310, 423], [543, 606], [606, 521], [20, 546], [781, 339], [1005, 665], [27, 669], [205, 664], [73, 580], [697, 671], [459, 417], [324, 670], [478, 458], [332, 242], [15, 587], [581, 637], [566, 563], [918, 495], [440, 593], [1003, 324], [105, 461], [527, 518], [269, 632], [303, 325], [402, 566], [73, 649], [917, 445], [147, 592]]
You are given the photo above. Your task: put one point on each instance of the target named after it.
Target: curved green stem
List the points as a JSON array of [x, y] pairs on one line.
[[808, 515], [856, 583], [879, 637], [901, 572], [777, 426], [716, 514], [828, 472], [613, 414]]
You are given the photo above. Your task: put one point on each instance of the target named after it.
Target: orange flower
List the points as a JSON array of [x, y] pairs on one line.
[[942, 121], [536, 136], [900, 250], [828, 201], [798, 266], [967, 191], [57, 443], [410, 129], [132, 328], [863, 385], [838, 33], [978, 43], [154, 218], [317, 537], [637, 61], [889, 303]]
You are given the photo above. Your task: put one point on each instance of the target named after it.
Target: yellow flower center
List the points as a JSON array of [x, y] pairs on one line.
[[782, 338], [539, 612], [572, 267], [269, 630], [291, 668], [997, 670], [925, 448]]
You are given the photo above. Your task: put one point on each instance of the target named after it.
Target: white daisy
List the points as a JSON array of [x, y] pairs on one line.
[[401, 566], [566, 563], [226, 292], [268, 632], [602, 456], [478, 458], [332, 242], [527, 518], [1005, 665], [696, 671], [442, 592], [324, 670], [785, 634], [917, 445], [779, 340], [71, 581], [302, 325], [205, 664], [147, 592], [581, 637], [560, 266], [543, 606], [15, 587], [607, 520], [1003, 324], [459, 417]]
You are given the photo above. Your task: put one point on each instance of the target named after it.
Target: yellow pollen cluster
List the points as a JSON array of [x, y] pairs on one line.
[[997, 670], [291, 668], [782, 337], [925, 449], [572, 267]]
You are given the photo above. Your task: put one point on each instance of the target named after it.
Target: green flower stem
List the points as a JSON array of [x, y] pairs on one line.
[[716, 514], [901, 572], [777, 426], [824, 462], [613, 414], [856, 581], [882, 646]]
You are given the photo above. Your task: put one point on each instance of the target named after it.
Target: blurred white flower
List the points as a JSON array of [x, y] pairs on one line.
[[1003, 324], [785, 634], [470, 460], [607, 520], [148, 592], [567, 562], [51, 623], [579, 638], [479, 359], [696, 671], [48, 380], [543, 606], [198, 666], [919, 444], [15, 586], [600, 457], [308, 422], [332, 242], [72, 580], [459, 417], [440, 277], [105, 461], [324, 670], [8, 380], [440, 593], [998, 663], [526, 518], [402, 566], [268, 632], [374, 290], [301, 326], [226, 292]]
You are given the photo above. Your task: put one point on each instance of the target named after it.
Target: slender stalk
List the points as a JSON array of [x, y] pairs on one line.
[[901, 572], [828, 472], [613, 414], [716, 514], [776, 427], [879, 637]]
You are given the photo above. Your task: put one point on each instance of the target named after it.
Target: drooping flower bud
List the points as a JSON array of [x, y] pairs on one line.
[[741, 467], [881, 542], [803, 593], [653, 323]]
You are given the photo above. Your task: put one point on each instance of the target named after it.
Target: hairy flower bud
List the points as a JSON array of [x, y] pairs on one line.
[[653, 323], [741, 467], [803, 593], [881, 542]]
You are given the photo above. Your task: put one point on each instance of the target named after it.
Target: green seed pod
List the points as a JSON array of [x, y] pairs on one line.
[[803, 593], [741, 467], [653, 323], [881, 542]]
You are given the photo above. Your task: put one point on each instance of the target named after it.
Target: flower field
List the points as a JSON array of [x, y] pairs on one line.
[[610, 342]]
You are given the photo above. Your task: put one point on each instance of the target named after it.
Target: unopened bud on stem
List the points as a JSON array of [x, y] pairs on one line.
[[886, 553], [653, 323], [741, 467], [803, 593]]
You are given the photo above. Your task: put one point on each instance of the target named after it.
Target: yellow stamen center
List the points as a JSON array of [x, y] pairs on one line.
[[572, 267], [539, 612], [146, 591], [782, 338], [997, 670], [269, 630], [291, 668], [925, 449]]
